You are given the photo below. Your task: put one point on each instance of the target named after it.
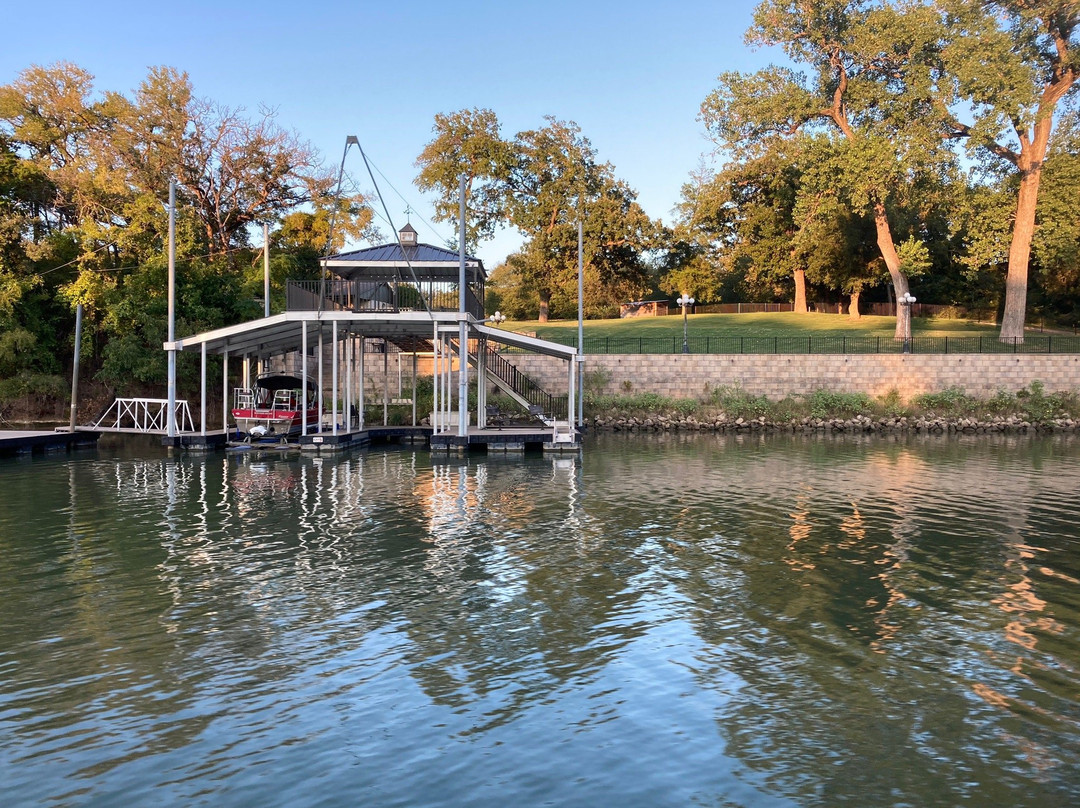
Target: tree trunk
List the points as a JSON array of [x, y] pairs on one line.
[[1016, 282], [853, 306], [545, 302], [1033, 148], [892, 261], [800, 291]]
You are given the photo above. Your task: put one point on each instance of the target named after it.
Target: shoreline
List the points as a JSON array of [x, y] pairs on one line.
[[859, 424]]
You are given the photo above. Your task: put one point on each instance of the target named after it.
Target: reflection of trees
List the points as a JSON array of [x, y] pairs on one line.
[[830, 600], [856, 606]]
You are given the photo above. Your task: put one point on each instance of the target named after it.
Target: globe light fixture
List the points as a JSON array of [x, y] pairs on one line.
[[497, 318]]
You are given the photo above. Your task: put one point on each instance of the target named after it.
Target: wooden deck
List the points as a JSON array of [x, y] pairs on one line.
[[14, 441]]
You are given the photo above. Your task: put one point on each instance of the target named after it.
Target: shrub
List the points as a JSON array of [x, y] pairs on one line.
[[826, 404], [950, 401], [891, 405], [737, 403]]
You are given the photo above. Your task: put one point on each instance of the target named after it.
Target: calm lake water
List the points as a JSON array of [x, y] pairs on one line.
[[703, 621]]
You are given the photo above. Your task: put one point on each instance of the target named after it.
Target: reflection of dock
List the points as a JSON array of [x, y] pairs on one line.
[[27, 441]]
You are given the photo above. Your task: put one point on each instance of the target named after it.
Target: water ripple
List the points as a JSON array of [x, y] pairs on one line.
[[663, 621]]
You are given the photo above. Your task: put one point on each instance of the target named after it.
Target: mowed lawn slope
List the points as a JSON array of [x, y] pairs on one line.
[[779, 324]]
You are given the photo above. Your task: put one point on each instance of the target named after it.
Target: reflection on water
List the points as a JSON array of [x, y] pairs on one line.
[[670, 620]]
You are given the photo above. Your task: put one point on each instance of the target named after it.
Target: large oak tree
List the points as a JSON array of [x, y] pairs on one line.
[[541, 182]]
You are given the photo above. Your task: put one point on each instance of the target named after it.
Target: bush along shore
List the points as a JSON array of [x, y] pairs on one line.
[[730, 409]]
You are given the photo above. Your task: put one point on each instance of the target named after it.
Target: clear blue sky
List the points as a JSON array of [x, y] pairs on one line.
[[631, 74]]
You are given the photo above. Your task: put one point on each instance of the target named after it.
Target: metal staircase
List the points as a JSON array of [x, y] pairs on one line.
[[524, 390]]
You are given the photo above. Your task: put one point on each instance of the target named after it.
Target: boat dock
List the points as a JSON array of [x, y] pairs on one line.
[[337, 334], [29, 441]]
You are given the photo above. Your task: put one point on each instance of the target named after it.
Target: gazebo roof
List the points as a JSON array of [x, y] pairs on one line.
[[387, 261]]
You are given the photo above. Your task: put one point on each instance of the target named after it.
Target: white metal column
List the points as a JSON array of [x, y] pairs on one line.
[[362, 379], [304, 377], [202, 393], [225, 393], [348, 380], [320, 364], [334, 375], [435, 381], [171, 417]]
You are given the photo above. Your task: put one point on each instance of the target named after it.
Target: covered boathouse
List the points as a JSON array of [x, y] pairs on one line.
[[405, 298]]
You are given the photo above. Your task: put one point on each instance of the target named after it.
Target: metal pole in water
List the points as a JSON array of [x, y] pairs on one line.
[[580, 322], [171, 417], [334, 375], [75, 366], [304, 379], [202, 393], [463, 327], [363, 379], [266, 270], [320, 367], [225, 393]]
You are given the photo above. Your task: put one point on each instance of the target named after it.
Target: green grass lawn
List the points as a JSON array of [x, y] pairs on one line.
[[781, 324]]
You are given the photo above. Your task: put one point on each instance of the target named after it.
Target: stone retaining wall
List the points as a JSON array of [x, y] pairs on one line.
[[777, 376]]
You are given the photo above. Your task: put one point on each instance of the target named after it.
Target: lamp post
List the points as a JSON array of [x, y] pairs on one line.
[[906, 300], [685, 301], [496, 319]]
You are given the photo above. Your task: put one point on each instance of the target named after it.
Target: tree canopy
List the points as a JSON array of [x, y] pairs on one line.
[[84, 178], [541, 182]]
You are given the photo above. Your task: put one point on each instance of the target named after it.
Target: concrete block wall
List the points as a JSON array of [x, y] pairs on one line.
[[776, 376]]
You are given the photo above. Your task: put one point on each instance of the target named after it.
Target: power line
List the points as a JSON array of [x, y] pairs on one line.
[[430, 226]]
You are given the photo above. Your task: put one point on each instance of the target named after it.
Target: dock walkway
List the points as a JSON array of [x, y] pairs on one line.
[[14, 441]]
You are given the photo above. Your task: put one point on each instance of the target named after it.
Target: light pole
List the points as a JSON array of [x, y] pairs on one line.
[[906, 300], [496, 319], [685, 301]]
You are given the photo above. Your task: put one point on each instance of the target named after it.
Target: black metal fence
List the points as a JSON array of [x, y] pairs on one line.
[[1034, 344]]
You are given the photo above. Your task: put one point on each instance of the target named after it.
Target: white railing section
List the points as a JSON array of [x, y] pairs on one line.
[[144, 415]]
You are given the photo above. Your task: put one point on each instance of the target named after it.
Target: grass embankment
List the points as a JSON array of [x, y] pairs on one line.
[[728, 406], [780, 324]]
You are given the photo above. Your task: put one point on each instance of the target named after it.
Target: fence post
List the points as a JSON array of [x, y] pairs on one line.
[[878, 348], [742, 346], [809, 345], [1014, 344], [980, 343], [843, 344], [1048, 339]]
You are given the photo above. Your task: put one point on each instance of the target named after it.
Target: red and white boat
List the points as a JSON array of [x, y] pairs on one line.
[[275, 406]]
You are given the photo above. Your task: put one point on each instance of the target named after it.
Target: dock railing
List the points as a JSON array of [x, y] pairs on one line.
[[365, 296], [148, 415]]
